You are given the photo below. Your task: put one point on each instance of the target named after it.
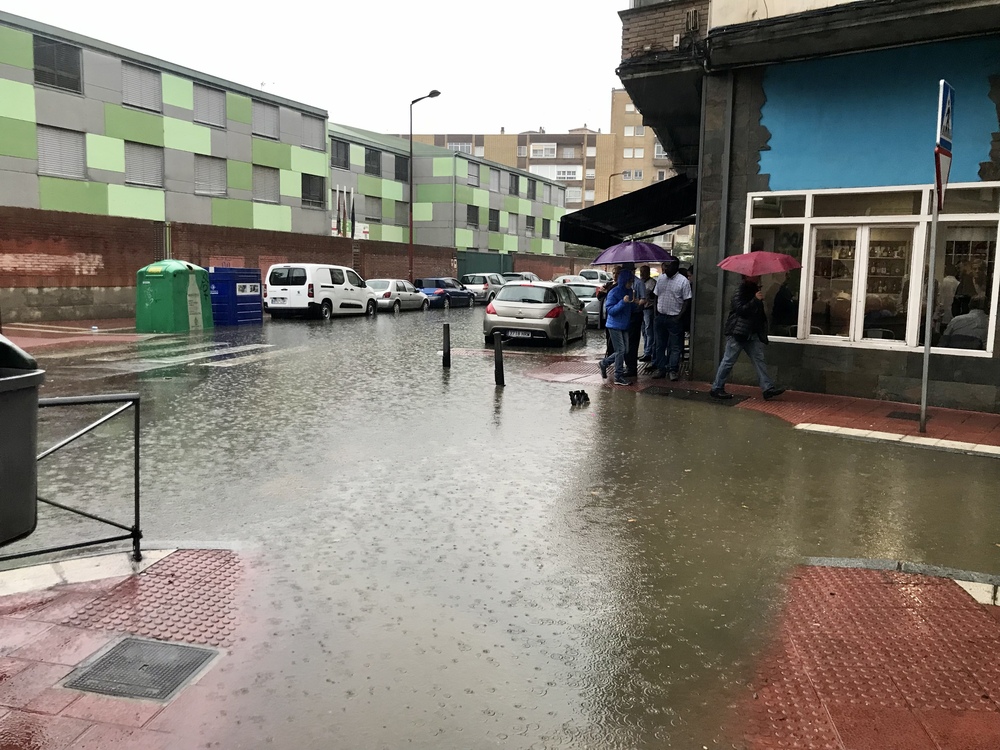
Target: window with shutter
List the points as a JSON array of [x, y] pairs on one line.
[[266, 183], [209, 106], [402, 168], [143, 165], [61, 153], [373, 209], [473, 174], [495, 180], [314, 133], [313, 191], [265, 119], [373, 162], [402, 214], [340, 154], [141, 88], [57, 64], [209, 175]]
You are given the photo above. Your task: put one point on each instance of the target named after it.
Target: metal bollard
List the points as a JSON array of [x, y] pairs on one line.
[[498, 359], [446, 354]]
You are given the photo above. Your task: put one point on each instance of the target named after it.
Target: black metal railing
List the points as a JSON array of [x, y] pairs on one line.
[[128, 401]]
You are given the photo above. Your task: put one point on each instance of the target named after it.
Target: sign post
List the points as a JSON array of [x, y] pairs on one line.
[[942, 170]]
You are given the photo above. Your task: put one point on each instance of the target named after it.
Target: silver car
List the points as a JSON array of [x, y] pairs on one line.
[[526, 310], [587, 294], [484, 285], [398, 294]]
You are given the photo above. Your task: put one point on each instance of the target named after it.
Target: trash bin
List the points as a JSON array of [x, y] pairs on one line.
[[236, 297], [172, 296], [19, 381]]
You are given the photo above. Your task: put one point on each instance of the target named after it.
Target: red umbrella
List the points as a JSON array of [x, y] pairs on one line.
[[759, 263]]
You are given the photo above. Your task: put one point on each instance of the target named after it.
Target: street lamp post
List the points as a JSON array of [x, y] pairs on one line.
[[409, 245]]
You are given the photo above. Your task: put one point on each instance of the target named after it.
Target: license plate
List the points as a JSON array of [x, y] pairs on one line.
[[278, 300], [519, 334]]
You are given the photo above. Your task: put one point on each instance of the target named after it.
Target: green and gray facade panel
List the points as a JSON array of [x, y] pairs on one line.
[[112, 132]]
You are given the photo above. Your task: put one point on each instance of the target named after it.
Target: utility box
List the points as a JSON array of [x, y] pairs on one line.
[[172, 296], [236, 296], [19, 382]]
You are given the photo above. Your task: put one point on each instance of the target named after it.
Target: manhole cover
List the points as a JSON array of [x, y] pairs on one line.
[[911, 415], [137, 668]]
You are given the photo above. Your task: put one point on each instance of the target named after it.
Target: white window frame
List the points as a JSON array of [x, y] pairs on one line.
[[461, 148], [640, 153], [640, 131], [146, 89], [637, 174], [210, 176], [257, 187], [920, 222], [574, 195], [588, 196], [630, 107], [569, 152], [590, 174], [319, 144], [591, 152], [522, 152], [627, 153], [260, 116], [627, 174], [569, 172], [658, 152], [543, 150], [479, 151], [629, 131]]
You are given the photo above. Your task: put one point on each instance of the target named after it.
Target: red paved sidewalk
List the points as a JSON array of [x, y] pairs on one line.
[[877, 660], [188, 597], [802, 408]]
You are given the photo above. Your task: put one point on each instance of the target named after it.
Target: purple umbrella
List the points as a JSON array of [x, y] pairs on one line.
[[633, 252]]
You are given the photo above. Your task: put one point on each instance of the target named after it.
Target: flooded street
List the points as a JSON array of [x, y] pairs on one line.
[[442, 564]]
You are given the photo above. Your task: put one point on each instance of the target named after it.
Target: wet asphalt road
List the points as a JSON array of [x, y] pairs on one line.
[[445, 565]]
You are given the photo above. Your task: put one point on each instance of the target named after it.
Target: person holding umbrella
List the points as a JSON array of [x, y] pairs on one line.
[[619, 308], [746, 326]]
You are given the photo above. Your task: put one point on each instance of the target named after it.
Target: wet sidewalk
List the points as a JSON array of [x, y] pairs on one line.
[[858, 418], [49, 335], [861, 660]]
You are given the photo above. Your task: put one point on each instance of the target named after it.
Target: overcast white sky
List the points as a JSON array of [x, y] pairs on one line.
[[519, 64]]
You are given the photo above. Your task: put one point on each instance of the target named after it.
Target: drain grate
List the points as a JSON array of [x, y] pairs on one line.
[[911, 415], [137, 668]]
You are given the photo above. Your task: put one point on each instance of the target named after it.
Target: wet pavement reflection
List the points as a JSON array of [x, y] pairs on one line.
[[443, 564]]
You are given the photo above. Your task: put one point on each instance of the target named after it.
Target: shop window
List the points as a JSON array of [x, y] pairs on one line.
[[781, 291], [778, 206], [974, 201], [899, 203]]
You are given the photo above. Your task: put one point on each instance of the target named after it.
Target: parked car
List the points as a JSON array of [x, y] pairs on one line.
[[316, 289], [520, 276], [586, 292], [569, 279], [526, 310], [398, 294], [596, 274], [484, 285], [446, 292]]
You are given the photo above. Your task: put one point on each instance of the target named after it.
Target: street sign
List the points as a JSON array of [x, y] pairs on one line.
[[942, 149]]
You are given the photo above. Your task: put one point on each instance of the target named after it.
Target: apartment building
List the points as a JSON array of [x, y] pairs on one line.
[[811, 132], [462, 200], [93, 128]]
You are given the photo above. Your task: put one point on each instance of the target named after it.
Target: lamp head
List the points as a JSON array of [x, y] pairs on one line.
[[434, 92]]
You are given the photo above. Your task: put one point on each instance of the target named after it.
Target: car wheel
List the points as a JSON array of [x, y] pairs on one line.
[[425, 305], [371, 309], [396, 307], [447, 303], [472, 301], [326, 310]]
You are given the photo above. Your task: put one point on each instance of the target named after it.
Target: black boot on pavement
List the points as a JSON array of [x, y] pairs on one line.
[[604, 369], [721, 395], [773, 392], [660, 375]]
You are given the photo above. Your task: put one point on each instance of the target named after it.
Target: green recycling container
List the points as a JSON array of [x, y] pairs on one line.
[[172, 296]]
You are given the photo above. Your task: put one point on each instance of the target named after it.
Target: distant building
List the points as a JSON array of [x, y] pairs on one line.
[[462, 200]]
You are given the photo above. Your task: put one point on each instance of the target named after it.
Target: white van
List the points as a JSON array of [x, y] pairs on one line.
[[316, 289]]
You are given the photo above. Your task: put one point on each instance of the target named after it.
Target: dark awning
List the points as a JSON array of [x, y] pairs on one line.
[[668, 203]]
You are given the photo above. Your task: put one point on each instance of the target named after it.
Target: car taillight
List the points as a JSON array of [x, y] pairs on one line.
[[555, 312], [387, 295], [439, 291], [310, 292], [490, 309], [265, 292]]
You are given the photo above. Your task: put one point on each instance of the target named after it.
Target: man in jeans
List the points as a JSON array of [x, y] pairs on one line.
[[673, 296], [648, 312], [619, 306]]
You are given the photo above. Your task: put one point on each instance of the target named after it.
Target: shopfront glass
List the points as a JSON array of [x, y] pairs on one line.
[[781, 290], [835, 252]]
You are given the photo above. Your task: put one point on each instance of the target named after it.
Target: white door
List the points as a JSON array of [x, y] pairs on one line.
[[355, 295]]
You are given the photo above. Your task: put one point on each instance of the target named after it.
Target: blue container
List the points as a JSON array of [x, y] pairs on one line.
[[236, 296]]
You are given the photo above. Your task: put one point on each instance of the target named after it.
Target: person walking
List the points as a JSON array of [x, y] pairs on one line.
[[673, 298], [746, 331], [635, 324], [648, 311], [619, 309]]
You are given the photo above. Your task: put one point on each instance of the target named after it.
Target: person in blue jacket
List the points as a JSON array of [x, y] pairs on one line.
[[619, 306]]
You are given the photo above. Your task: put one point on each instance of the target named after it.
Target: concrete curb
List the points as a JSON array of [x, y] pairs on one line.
[[876, 436]]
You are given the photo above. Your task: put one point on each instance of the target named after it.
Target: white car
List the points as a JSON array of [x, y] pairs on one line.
[[484, 285], [570, 279], [596, 274], [316, 289], [398, 294]]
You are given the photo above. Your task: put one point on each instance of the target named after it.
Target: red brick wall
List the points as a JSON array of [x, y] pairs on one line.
[[549, 266], [56, 249], [654, 26]]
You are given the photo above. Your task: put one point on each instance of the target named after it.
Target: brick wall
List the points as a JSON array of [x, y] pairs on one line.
[[547, 267], [654, 27]]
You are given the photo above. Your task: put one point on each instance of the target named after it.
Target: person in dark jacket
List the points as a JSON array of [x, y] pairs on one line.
[[746, 331], [619, 306]]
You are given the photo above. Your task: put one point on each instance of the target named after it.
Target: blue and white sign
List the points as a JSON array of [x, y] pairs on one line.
[[946, 107]]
